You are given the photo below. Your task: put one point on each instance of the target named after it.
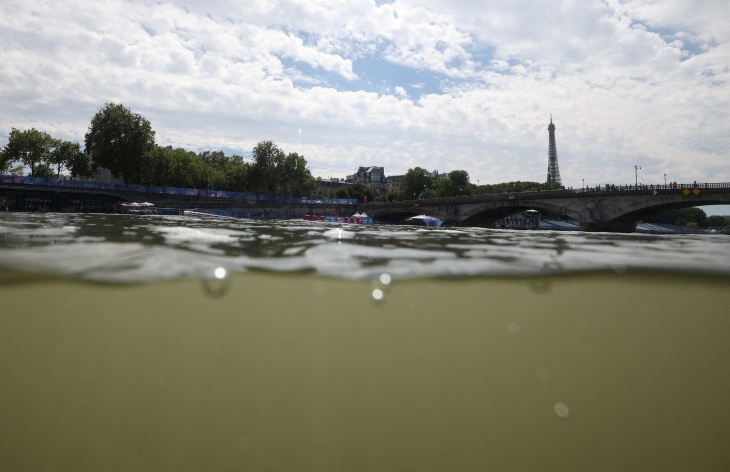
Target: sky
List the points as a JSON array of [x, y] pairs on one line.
[[441, 85]]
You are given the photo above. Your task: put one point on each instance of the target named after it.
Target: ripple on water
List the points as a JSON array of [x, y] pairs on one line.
[[128, 248]]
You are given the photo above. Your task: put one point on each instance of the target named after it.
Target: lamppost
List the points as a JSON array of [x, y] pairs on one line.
[[584, 184], [477, 186], [636, 172], [665, 179]]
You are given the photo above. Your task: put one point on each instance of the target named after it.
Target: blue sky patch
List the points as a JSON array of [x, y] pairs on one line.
[[375, 75]]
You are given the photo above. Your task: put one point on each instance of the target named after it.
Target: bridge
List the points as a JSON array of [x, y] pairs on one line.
[[606, 208]]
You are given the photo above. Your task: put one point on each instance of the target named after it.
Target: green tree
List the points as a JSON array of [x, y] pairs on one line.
[[17, 170], [187, 170], [64, 153], [339, 192], [160, 166], [681, 217], [81, 166], [121, 141], [716, 220], [294, 177], [415, 181], [216, 159], [457, 183], [518, 186], [4, 162], [360, 191], [44, 170], [31, 147], [266, 157], [239, 177], [428, 194]]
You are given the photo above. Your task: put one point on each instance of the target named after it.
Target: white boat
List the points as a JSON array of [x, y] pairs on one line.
[[423, 220]]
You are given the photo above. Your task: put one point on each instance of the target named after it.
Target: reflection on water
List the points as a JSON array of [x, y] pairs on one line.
[[124, 248]]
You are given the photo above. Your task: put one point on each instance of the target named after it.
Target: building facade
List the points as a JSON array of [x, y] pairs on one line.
[[392, 183], [325, 185], [373, 177]]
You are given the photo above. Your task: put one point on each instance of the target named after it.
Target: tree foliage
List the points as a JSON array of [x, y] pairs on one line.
[[428, 193], [4, 162], [266, 158], [716, 220], [681, 217], [65, 155], [415, 181], [360, 191], [457, 183], [517, 186], [295, 178], [121, 141], [31, 147], [356, 191]]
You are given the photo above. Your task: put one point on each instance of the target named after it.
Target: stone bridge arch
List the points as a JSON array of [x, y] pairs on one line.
[[486, 214], [628, 215]]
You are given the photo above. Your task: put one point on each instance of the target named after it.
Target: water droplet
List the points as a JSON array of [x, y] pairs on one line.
[[381, 282], [378, 295], [618, 267], [216, 282], [513, 328], [544, 375], [561, 410]]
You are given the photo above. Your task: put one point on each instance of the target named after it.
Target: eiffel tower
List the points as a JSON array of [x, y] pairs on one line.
[[553, 173]]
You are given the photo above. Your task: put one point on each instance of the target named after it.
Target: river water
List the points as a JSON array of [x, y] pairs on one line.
[[186, 343]]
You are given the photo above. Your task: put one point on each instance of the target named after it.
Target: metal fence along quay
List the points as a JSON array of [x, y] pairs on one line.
[[669, 186], [91, 185]]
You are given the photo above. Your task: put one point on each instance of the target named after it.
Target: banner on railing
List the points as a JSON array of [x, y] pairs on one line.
[[89, 185]]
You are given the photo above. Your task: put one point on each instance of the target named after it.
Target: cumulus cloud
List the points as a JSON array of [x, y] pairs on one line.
[[464, 85]]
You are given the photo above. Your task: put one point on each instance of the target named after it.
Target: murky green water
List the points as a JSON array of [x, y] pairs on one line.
[[489, 350]]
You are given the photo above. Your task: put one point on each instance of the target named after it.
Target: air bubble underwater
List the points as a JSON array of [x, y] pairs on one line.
[[216, 282], [379, 285], [562, 410]]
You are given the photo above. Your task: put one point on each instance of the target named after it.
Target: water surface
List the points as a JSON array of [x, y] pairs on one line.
[[488, 350], [124, 248]]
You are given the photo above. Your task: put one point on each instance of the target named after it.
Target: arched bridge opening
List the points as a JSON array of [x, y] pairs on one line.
[[487, 215], [630, 219]]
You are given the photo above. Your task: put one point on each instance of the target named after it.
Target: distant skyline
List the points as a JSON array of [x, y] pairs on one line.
[[441, 85]]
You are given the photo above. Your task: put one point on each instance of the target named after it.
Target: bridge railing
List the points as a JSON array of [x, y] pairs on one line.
[[241, 196], [668, 186]]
